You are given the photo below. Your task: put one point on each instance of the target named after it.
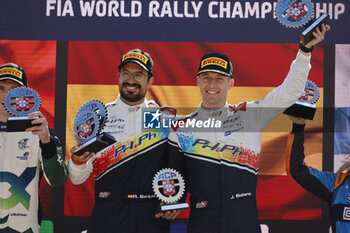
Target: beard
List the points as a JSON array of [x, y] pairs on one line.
[[131, 96]]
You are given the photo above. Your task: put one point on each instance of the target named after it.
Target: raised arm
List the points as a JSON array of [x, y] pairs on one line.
[[316, 182]]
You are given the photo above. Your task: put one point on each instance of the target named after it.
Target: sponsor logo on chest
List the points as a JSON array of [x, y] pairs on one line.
[[23, 144]]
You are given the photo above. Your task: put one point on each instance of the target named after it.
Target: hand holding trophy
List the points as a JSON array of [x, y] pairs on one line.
[[20, 102], [298, 13], [88, 126]]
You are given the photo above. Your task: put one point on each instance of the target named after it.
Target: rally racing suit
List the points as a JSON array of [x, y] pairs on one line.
[[21, 158], [331, 187], [123, 172], [221, 164]]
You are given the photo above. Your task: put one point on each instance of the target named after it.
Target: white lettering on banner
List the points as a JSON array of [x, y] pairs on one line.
[[153, 9], [101, 8], [239, 10], [225, 10], [338, 9], [251, 10], [266, 7], [176, 13], [166, 10], [113, 8], [210, 10], [51, 5], [136, 9], [180, 9], [172, 9], [87, 8]]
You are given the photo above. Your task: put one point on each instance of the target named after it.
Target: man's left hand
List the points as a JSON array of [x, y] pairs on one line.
[[41, 130]]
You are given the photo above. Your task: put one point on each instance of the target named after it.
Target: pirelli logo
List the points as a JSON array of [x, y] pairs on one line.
[[346, 213], [214, 61], [11, 71], [137, 56]]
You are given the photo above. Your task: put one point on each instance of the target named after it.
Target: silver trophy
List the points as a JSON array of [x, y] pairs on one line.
[[305, 106], [169, 187], [88, 126], [20, 102]]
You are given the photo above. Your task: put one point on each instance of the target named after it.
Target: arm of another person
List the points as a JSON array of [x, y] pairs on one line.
[[319, 183], [53, 163]]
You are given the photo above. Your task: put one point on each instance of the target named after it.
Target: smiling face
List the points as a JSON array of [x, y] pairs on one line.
[[5, 87], [214, 88], [133, 83]]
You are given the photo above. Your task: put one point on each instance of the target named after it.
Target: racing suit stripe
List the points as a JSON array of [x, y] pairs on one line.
[[55, 170], [132, 156], [176, 160]]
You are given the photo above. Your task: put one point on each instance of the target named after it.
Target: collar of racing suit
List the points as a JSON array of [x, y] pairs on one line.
[[128, 108], [212, 113]]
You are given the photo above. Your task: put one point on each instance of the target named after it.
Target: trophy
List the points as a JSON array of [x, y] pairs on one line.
[[169, 187], [88, 126], [297, 13], [306, 35], [305, 106], [294, 13], [20, 102]]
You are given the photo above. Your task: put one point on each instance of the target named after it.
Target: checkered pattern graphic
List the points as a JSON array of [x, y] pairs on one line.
[[305, 94], [86, 129], [22, 103], [169, 187], [296, 12]]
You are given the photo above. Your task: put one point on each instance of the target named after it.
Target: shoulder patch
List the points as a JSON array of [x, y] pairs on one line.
[[239, 107], [340, 179], [152, 103], [168, 109]]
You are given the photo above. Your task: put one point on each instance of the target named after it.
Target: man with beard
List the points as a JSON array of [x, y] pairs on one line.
[[123, 172]]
